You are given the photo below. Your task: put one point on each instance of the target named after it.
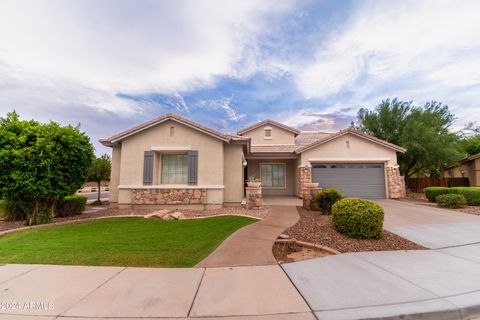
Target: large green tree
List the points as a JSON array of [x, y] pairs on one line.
[[100, 171], [40, 164], [472, 144], [424, 131]]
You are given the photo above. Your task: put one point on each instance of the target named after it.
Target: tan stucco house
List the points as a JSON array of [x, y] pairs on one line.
[[172, 160], [466, 168]]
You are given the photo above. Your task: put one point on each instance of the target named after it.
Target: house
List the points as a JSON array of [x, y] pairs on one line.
[[466, 168], [172, 160]]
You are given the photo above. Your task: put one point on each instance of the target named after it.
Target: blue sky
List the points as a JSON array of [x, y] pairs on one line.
[[109, 65]]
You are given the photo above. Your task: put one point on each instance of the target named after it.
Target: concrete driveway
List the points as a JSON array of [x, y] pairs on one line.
[[429, 226]]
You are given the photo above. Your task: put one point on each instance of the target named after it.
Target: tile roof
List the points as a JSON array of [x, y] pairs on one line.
[[170, 116], [354, 132], [268, 121], [464, 160], [277, 148], [308, 137]]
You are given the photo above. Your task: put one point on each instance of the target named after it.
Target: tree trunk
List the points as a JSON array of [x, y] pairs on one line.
[[99, 182]]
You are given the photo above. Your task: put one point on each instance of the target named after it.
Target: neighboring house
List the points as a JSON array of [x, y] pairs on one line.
[[466, 168], [171, 160]]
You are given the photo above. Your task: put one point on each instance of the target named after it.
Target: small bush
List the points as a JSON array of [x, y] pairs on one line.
[[451, 201], [16, 210], [358, 218], [70, 206], [433, 192], [471, 194], [327, 198]]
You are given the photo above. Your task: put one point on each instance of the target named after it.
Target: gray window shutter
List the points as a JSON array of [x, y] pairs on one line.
[[148, 168], [192, 167]]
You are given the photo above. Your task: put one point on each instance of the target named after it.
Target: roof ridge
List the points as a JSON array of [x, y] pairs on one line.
[[276, 123]]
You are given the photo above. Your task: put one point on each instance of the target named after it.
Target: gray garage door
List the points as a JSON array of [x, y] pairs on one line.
[[360, 180]]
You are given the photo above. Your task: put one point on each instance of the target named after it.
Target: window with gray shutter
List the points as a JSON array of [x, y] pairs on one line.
[[148, 168], [192, 167]]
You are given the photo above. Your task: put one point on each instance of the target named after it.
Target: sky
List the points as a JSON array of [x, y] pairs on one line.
[[112, 64]]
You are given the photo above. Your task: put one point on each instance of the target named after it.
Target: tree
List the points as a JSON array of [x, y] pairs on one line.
[[99, 171], [423, 131], [40, 164], [472, 144]]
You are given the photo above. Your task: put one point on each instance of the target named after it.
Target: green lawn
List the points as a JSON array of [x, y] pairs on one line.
[[121, 242]]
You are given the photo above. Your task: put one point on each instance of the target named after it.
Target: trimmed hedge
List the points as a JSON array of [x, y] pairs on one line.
[[358, 218], [326, 198], [451, 201], [471, 194], [70, 206]]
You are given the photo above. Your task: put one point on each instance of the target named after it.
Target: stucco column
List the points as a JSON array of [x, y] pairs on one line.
[[304, 175], [253, 197], [395, 183]]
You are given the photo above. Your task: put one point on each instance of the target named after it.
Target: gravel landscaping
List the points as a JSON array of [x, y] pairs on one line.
[[105, 211], [322, 233]]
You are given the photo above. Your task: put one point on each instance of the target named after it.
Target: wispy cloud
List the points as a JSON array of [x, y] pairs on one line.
[[311, 64]]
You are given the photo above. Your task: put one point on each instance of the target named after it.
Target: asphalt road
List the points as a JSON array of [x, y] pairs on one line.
[[94, 195]]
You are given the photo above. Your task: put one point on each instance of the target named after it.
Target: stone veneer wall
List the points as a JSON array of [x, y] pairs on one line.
[[253, 197], [309, 198], [169, 196], [395, 183], [304, 175]]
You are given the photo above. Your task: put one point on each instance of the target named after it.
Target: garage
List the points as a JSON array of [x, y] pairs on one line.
[[360, 180]]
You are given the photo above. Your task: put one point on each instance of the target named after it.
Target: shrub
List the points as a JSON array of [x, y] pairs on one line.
[[327, 198], [358, 218], [471, 194], [451, 201], [70, 206], [433, 192]]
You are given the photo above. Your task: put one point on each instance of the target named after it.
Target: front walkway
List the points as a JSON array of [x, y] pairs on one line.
[[252, 245]]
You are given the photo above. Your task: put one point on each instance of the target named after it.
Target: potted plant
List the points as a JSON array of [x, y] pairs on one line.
[[253, 182]]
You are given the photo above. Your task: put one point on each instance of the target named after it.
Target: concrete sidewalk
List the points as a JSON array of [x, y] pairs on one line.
[[68, 292], [252, 245]]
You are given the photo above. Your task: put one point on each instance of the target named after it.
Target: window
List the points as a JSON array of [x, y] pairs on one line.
[[174, 169], [273, 175], [268, 132]]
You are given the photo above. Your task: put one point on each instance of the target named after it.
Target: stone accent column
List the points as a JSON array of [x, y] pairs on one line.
[[253, 197], [304, 175], [395, 183], [309, 198]]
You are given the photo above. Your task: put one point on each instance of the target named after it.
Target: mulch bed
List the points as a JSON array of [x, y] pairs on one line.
[[106, 211], [317, 228]]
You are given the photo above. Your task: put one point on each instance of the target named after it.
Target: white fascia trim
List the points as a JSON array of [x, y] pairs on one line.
[[171, 148], [348, 160], [172, 186]]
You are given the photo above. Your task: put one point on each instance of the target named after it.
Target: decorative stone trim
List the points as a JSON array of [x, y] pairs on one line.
[[309, 198], [395, 183], [169, 196], [253, 197], [304, 176]]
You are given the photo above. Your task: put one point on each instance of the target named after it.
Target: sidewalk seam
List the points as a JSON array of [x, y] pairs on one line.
[[21, 274], [299, 292], [92, 291], [196, 292]]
